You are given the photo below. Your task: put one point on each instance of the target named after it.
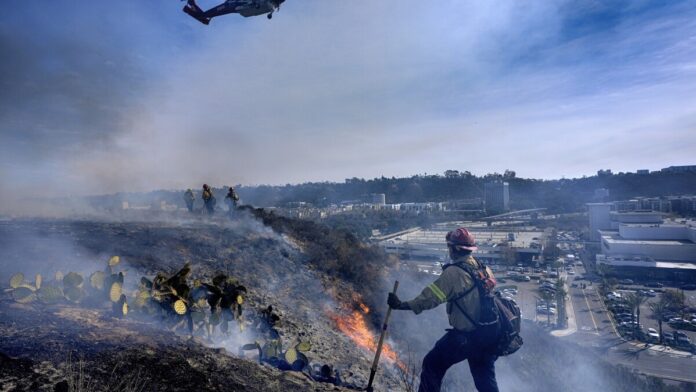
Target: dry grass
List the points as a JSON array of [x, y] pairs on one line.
[[409, 375], [78, 381]]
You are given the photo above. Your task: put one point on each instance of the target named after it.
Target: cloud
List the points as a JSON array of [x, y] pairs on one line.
[[140, 97]]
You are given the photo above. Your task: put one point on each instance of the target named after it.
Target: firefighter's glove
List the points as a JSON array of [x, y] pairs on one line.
[[395, 303]]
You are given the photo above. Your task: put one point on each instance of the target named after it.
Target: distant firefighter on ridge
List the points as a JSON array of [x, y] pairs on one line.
[[208, 199], [231, 200], [189, 198]]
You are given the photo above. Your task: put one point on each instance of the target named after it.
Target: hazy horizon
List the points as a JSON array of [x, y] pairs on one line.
[[131, 96]]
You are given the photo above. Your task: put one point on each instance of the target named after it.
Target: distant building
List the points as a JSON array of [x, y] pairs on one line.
[[379, 199], [601, 194], [616, 219], [497, 197], [664, 251], [599, 219], [640, 244], [494, 246], [643, 171], [421, 207], [685, 205], [606, 172], [680, 169], [475, 204], [661, 204]]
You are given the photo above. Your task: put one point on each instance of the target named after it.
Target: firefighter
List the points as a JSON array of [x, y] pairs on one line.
[[208, 199], [189, 198], [231, 200], [468, 339]]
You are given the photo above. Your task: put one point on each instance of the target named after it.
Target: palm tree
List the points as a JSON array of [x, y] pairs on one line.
[[660, 309], [608, 285], [675, 299], [635, 301], [561, 294], [547, 297]]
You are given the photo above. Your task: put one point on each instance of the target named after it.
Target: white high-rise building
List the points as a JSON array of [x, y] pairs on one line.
[[599, 219]]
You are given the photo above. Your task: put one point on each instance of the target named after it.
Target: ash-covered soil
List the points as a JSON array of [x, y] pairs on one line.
[[41, 345], [44, 347]]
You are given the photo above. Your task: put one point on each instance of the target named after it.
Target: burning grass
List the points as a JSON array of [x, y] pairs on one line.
[[352, 322]]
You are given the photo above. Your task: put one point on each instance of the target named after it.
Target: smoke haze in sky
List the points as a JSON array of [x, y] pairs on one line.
[[111, 96]]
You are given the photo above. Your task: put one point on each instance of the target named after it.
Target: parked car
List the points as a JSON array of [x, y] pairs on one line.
[[653, 336], [613, 296], [647, 293], [667, 336], [690, 286], [544, 310], [626, 281], [620, 308], [669, 316], [656, 285]]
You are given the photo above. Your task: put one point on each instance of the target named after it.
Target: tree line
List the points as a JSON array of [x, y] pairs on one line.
[[558, 196]]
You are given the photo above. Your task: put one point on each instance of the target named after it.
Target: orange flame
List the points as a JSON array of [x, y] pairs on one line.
[[364, 308], [355, 327]]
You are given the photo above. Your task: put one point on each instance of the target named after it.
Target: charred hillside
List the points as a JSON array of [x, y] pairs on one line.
[[308, 273], [64, 348]]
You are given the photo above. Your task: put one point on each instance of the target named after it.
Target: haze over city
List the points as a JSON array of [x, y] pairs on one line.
[[130, 96]]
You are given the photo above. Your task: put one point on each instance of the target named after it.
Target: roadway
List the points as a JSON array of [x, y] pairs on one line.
[[596, 329]]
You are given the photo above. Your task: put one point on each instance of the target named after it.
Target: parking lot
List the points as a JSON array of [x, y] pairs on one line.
[[649, 322], [587, 307], [592, 324], [528, 281]]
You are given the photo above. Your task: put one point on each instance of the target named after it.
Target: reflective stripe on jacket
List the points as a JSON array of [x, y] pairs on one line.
[[452, 282]]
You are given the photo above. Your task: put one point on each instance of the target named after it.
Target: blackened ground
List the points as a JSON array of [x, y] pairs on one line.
[[277, 267], [40, 346]]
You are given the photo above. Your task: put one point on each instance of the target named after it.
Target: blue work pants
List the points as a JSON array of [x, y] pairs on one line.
[[451, 349]]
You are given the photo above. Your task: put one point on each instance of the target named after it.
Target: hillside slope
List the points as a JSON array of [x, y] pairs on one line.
[[320, 281]]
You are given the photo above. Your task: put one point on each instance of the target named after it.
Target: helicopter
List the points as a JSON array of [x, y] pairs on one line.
[[245, 8]]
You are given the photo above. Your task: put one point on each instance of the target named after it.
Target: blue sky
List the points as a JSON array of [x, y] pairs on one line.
[[100, 96]]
